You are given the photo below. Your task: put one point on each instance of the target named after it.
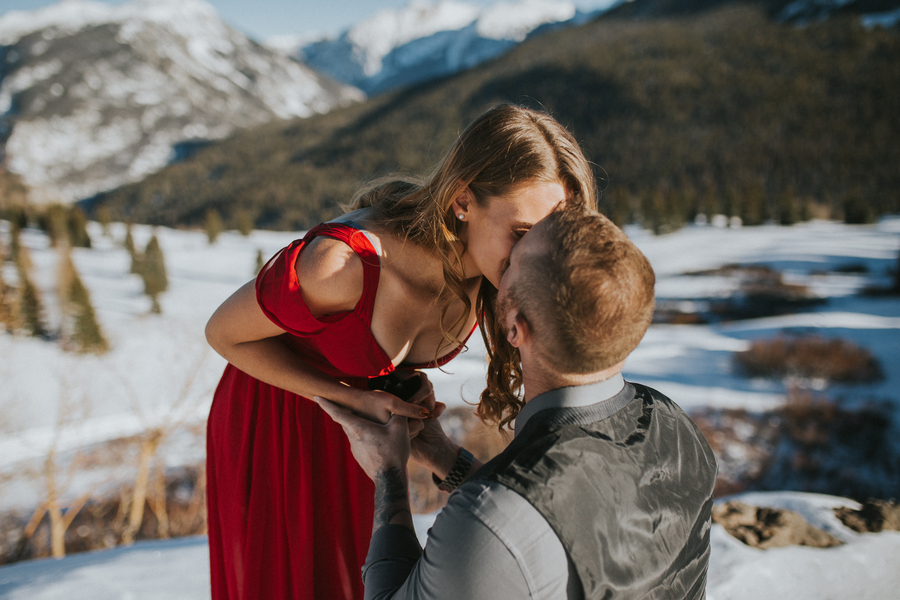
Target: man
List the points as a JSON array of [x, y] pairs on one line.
[[606, 489]]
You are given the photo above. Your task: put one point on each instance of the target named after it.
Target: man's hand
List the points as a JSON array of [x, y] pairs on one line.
[[382, 450], [433, 449], [375, 446]]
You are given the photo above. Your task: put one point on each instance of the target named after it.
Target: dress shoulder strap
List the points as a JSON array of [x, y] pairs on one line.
[[359, 241]]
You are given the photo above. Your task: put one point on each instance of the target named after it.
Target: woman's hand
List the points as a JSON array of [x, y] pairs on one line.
[[378, 406], [424, 396], [377, 447]]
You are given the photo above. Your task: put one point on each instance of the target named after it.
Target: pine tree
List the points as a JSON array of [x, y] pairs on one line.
[[788, 208], [30, 308], [260, 260], [9, 317], [129, 239], [8, 313], [244, 222], [731, 205], [806, 210], [55, 222], [617, 205], [856, 210], [709, 204], [15, 241], [81, 331], [753, 208], [77, 228], [213, 225], [153, 270], [132, 251], [104, 217]]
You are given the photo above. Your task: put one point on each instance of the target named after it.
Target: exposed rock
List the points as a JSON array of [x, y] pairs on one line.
[[874, 516], [769, 527]]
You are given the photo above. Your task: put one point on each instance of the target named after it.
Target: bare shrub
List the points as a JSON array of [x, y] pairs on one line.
[[836, 450], [810, 356], [157, 430], [742, 442], [101, 522], [811, 444], [760, 291]]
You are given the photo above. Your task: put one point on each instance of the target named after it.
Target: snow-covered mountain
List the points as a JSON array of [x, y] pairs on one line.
[[425, 40], [93, 96], [429, 39]]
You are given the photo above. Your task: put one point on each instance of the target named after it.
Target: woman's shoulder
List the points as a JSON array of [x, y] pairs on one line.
[[330, 274], [399, 258]]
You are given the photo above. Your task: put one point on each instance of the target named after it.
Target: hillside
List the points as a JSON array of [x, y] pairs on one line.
[[724, 112]]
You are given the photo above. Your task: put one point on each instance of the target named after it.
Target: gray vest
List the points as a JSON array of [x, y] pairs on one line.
[[629, 495]]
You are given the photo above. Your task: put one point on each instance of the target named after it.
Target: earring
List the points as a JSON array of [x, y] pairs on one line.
[[462, 217]]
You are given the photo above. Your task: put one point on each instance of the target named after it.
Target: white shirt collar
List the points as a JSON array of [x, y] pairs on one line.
[[571, 397]]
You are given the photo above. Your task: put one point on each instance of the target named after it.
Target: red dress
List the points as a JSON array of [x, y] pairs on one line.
[[289, 510]]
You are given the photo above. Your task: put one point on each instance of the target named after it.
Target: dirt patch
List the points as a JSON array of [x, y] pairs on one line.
[[769, 527], [872, 517]]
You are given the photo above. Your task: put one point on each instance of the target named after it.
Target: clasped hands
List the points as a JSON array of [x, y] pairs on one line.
[[395, 431]]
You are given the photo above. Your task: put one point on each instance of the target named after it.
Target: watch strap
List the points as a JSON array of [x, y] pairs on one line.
[[457, 474]]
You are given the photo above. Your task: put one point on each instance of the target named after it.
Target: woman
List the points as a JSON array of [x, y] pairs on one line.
[[395, 284]]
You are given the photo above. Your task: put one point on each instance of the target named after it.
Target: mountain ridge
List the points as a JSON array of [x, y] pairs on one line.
[[422, 41], [94, 96]]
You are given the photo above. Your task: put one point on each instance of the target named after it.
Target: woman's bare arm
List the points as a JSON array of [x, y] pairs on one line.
[[245, 337]]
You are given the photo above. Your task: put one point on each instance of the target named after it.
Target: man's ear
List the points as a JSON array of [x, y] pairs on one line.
[[518, 331]]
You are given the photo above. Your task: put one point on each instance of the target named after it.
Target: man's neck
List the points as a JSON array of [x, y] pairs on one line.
[[538, 379]]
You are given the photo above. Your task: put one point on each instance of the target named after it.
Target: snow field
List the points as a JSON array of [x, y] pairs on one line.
[[864, 568], [160, 371]]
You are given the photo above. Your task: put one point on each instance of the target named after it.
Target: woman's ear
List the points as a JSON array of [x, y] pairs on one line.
[[463, 203]]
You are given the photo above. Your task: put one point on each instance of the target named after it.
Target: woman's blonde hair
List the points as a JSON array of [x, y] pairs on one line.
[[506, 147]]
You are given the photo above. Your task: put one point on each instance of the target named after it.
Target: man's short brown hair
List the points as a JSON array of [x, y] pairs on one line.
[[589, 296]]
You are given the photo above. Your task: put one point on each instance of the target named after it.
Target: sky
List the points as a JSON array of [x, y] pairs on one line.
[[262, 19]]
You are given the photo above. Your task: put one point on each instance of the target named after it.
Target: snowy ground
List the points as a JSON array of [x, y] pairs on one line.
[[864, 568], [160, 372]]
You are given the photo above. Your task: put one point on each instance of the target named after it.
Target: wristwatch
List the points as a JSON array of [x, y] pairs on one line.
[[457, 474]]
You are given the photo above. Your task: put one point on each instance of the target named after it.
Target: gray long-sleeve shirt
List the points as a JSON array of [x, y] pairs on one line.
[[488, 543]]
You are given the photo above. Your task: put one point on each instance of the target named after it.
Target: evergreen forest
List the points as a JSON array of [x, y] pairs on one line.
[[725, 112]]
